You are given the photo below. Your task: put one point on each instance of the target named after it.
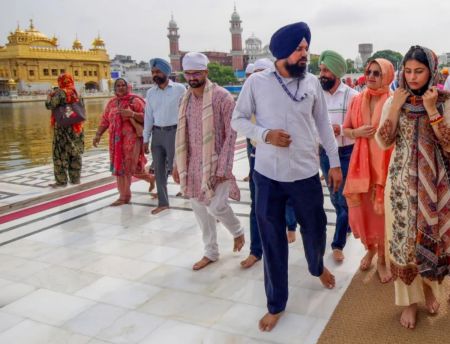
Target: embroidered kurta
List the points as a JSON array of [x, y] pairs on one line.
[[403, 197], [225, 139]]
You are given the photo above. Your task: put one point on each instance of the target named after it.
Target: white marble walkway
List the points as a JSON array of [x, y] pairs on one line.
[[95, 274]]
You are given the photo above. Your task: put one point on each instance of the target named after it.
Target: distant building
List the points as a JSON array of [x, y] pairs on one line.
[[255, 51], [444, 59], [32, 62], [237, 58], [365, 51]]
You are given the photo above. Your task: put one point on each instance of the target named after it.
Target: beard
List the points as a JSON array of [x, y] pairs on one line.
[[159, 80], [196, 83], [296, 70], [327, 83]]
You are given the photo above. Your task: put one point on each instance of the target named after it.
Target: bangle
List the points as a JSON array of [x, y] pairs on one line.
[[434, 115], [352, 134], [132, 115], [436, 120]]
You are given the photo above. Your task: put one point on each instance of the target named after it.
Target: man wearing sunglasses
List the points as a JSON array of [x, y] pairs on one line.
[[338, 97], [289, 105], [204, 156]]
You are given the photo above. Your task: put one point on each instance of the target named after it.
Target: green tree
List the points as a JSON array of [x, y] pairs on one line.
[[222, 75], [393, 56], [351, 66], [313, 66]]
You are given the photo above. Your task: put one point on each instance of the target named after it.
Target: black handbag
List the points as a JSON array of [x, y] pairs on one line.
[[69, 114]]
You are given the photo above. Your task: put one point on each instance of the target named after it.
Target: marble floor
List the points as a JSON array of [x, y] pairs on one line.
[[85, 272]]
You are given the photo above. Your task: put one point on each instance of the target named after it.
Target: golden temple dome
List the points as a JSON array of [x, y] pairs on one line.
[[98, 43], [31, 36], [77, 44], [35, 33]]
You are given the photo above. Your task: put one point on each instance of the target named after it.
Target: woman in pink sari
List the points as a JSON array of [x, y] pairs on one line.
[[124, 117], [364, 187]]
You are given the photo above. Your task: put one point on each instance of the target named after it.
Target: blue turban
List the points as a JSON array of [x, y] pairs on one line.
[[284, 42], [161, 64]]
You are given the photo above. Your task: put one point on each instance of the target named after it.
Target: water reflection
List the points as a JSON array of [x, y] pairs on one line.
[[26, 134]]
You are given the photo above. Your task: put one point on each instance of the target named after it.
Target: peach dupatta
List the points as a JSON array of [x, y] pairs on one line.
[[368, 163]]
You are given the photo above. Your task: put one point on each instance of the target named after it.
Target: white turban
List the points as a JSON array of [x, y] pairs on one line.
[[264, 63], [250, 68], [195, 61]]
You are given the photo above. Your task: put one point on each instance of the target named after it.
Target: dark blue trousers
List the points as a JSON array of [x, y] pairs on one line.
[[255, 238], [307, 200], [337, 198]]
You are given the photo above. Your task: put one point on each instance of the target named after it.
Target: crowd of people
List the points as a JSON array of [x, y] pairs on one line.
[[382, 145]]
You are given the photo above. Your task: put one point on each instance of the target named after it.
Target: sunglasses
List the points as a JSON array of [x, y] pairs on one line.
[[375, 73]]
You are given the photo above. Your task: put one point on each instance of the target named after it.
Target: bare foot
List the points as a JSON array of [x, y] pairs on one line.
[[246, 179], [409, 316], [205, 261], [269, 321], [367, 260], [153, 195], [338, 255], [249, 261], [119, 202], [238, 243], [430, 300], [291, 236], [152, 184], [327, 279], [159, 209], [383, 273]]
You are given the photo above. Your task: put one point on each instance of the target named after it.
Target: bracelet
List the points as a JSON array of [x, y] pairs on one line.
[[436, 120], [352, 134], [434, 115]]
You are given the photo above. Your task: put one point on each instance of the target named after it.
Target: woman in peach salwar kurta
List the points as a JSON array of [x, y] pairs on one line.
[[364, 187]]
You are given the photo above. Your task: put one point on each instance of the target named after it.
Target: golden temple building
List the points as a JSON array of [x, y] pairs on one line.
[[32, 62]]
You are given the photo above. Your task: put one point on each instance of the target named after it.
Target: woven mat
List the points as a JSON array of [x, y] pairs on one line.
[[367, 314]]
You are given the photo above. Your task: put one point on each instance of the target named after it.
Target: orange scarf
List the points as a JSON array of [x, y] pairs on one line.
[[359, 178], [67, 84]]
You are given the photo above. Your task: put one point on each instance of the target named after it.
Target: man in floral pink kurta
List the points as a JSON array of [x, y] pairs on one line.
[[205, 154]]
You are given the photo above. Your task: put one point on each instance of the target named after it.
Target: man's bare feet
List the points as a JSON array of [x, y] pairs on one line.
[[383, 273], [157, 210], [431, 303], [205, 261], [327, 279], [249, 261], [269, 321], [291, 236], [409, 316], [338, 255], [238, 243], [367, 260]]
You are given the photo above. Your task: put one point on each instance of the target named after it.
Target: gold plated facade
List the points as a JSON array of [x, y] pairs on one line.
[[34, 61]]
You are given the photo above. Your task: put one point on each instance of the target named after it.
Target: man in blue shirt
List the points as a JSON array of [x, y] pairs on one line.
[[160, 122]]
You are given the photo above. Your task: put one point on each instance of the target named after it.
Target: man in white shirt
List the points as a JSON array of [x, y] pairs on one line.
[[338, 97], [288, 104]]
